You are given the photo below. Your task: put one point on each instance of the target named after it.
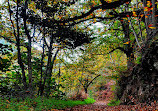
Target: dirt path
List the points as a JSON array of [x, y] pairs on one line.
[[101, 106]]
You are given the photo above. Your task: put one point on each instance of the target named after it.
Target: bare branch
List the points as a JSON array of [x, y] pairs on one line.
[[135, 34]]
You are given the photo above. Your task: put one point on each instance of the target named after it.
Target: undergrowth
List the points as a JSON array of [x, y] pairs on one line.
[[114, 103], [38, 104]]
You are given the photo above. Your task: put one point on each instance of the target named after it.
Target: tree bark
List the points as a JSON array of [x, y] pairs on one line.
[[50, 71], [28, 47], [41, 88], [141, 85], [18, 48], [128, 47]]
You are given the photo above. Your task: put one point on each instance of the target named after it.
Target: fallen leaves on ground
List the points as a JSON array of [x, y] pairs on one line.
[[101, 107]]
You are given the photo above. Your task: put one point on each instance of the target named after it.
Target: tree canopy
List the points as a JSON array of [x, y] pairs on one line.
[[46, 35]]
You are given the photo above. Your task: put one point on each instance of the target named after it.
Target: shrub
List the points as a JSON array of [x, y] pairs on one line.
[[39, 104], [80, 96], [114, 103]]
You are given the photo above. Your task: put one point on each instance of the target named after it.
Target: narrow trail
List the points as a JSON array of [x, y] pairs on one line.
[[102, 106]]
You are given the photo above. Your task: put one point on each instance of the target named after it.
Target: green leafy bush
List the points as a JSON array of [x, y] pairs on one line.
[[39, 103], [114, 103], [89, 100]]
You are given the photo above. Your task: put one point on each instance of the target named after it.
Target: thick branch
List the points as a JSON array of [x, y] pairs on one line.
[[120, 48], [93, 79], [7, 39], [106, 5]]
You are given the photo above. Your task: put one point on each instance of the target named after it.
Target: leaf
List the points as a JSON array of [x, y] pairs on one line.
[[146, 16], [149, 3], [152, 27], [134, 14], [95, 20], [127, 15], [8, 101], [145, 9], [127, 42]]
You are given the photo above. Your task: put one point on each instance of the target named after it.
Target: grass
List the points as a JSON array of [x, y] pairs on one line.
[[114, 103], [38, 104]]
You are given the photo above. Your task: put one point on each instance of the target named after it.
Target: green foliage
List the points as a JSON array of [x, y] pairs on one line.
[[90, 94], [115, 77], [4, 86], [94, 60], [89, 100], [5, 61], [39, 104], [138, 60], [114, 103]]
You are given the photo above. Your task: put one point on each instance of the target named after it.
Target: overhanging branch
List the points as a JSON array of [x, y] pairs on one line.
[[120, 48]]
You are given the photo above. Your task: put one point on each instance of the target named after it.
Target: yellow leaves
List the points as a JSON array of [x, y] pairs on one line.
[[127, 42], [95, 20], [152, 27], [151, 8], [125, 18], [84, 7], [109, 1], [8, 72], [76, 27], [4, 57], [94, 2], [55, 2], [55, 44], [140, 5], [142, 15], [8, 101], [149, 3], [145, 9], [58, 17], [102, 33], [65, 0], [32, 6], [134, 14], [99, 10], [157, 4]]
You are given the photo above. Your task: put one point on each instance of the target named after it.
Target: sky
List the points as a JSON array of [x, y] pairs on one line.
[[97, 25], [1, 1]]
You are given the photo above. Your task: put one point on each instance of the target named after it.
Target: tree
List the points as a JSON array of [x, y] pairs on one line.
[[26, 23], [56, 20]]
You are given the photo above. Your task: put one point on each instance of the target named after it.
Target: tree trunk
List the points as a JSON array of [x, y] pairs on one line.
[[47, 72], [50, 71], [130, 58], [19, 52], [142, 84], [40, 90], [86, 89], [128, 47], [28, 48]]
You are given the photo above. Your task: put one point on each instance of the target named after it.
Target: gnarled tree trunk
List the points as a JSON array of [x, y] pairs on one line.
[[142, 84]]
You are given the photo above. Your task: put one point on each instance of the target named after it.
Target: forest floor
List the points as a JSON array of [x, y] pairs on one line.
[[102, 106]]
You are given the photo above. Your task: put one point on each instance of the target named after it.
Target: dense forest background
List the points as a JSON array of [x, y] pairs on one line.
[[58, 48]]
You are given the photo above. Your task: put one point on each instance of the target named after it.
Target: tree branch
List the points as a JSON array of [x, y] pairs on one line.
[[120, 48], [93, 79], [106, 5]]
